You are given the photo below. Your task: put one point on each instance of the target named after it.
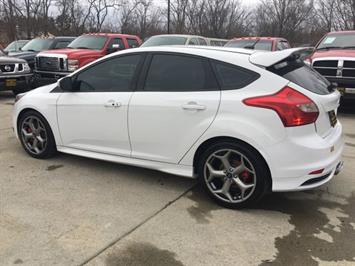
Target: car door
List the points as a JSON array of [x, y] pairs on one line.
[[173, 108], [94, 117]]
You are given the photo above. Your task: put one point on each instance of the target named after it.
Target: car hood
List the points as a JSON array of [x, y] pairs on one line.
[[24, 54], [334, 53], [73, 53], [11, 60]]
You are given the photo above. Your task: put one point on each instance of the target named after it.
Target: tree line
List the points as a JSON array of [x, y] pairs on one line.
[[300, 21]]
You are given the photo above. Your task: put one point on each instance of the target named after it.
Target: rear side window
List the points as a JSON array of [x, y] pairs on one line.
[[178, 73], [299, 73], [132, 43], [202, 41], [231, 77]]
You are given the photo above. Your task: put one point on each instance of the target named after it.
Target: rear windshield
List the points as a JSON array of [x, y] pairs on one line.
[[297, 72], [265, 45]]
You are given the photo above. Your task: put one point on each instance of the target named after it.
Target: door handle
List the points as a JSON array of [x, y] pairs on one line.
[[113, 104], [193, 106]]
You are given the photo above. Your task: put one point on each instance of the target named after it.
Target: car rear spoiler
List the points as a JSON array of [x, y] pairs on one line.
[[267, 59]]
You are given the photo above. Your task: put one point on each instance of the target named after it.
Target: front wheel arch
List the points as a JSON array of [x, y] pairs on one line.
[[207, 143]]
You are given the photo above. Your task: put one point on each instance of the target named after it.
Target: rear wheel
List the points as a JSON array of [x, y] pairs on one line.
[[36, 135], [233, 174]]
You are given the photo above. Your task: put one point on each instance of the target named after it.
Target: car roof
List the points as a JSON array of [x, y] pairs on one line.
[[259, 38], [179, 35], [111, 34], [342, 31]]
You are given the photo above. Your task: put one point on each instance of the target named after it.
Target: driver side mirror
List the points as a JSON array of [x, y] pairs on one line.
[[66, 84]]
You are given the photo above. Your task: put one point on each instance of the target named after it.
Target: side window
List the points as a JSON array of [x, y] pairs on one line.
[[113, 75], [282, 45], [61, 44], [178, 73], [132, 43], [232, 77], [202, 41], [193, 41], [116, 44]]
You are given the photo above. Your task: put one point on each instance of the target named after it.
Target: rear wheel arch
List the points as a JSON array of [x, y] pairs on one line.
[[207, 143]]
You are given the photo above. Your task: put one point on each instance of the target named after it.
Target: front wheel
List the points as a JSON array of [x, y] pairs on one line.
[[36, 135], [233, 174]]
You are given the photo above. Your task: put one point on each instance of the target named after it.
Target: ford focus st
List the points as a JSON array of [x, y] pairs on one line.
[[243, 122]]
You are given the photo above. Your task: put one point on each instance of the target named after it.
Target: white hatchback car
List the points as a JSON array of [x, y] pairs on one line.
[[243, 122]]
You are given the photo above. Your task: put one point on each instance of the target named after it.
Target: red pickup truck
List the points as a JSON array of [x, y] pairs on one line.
[[259, 43], [54, 64], [334, 58]]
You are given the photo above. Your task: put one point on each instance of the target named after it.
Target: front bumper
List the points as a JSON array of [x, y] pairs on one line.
[[296, 158], [23, 81], [42, 78], [346, 86]]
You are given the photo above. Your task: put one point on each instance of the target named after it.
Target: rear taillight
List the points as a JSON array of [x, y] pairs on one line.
[[293, 107]]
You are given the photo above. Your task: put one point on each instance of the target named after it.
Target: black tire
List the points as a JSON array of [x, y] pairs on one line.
[[50, 149], [261, 179]]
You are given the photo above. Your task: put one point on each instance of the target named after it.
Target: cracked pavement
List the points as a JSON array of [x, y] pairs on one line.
[[76, 211]]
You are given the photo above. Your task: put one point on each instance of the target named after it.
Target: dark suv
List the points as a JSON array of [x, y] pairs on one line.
[[15, 74], [33, 47]]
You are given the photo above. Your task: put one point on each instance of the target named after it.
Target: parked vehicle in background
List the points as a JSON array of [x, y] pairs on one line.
[[334, 59], [15, 74], [245, 122], [52, 65], [175, 39], [33, 47], [260, 43], [15, 46], [217, 42]]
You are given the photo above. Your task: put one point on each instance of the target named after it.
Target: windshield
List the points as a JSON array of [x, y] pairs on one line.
[[15, 46], [88, 42], [164, 40], [38, 45], [297, 72], [338, 40], [1, 52], [265, 45]]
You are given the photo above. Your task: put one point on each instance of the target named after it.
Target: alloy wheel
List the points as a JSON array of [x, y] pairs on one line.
[[34, 135], [230, 176]]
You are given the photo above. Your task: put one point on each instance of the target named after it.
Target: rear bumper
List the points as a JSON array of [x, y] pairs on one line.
[[42, 78], [297, 158], [22, 82]]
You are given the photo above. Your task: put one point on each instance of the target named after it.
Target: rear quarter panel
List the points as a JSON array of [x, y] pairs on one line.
[[260, 128]]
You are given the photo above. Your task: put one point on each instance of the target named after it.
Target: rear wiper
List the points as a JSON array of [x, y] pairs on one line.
[[349, 47], [80, 47], [30, 50]]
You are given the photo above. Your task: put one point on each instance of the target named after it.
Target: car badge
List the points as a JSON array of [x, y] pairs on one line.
[[7, 68]]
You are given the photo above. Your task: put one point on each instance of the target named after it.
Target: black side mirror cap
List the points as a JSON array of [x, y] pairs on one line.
[[66, 84]]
